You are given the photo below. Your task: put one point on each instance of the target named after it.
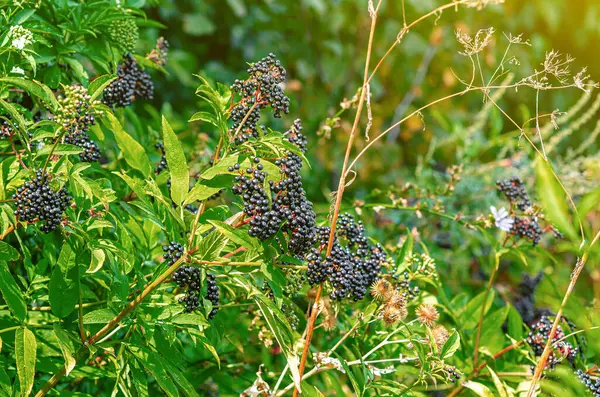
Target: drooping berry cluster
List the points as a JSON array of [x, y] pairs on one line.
[[189, 277], [159, 53], [37, 201], [515, 192], [538, 338], [173, 252], [212, 294], [132, 83], [287, 207], [585, 378], [7, 129], [261, 89], [124, 33], [525, 303], [76, 115], [527, 228], [351, 268]]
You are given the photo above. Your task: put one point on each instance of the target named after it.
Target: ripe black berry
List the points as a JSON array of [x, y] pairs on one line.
[[212, 294], [515, 192], [37, 201], [132, 82]]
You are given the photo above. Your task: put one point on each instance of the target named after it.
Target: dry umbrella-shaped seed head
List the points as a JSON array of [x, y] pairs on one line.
[[427, 314], [440, 335], [381, 289]]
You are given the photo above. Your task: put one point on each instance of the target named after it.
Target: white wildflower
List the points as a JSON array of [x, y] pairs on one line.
[[503, 221], [334, 363], [17, 70], [475, 44]]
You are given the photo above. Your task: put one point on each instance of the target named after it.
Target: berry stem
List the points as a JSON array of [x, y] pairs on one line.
[[338, 202], [548, 348], [113, 323]]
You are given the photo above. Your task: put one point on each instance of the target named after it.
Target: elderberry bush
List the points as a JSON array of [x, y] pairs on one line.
[[37, 201], [561, 349]]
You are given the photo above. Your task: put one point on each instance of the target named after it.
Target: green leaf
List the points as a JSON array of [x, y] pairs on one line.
[[211, 246], [66, 346], [25, 353], [97, 86], [309, 390], [154, 364], [59, 150], [100, 316], [205, 116], [451, 346], [221, 167], [498, 383], [8, 252], [11, 293], [478, 388], [178, 168], [196, 334], [405, 252], [133, 152], [98, 258], [200, 192], [34, 88], [64, 284], [553, 199], [238, 236]]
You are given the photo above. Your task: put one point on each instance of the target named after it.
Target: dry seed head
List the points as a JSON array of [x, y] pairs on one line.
[[397, 301], [381, 289], [440, 335], [392, 314], [427, 314]]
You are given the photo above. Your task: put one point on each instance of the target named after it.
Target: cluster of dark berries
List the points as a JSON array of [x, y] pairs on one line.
[[212, 294], [452, 374], [525, 302], [37, 201], [7, 129], [124, 33], [515, 192], [404, 285], [132, 83], [287, 207], [159, 53], [585, 378], [527, 228], [262, 88], [162, 164], [189, 277], [91, 151], [351, 268], [538, 338], [173, 252], [76, 115]]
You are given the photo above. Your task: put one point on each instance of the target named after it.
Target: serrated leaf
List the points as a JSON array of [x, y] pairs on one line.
[[25, 353], [34, 88], [133, 152], [478, 388], [239, 237], [154, 364], [8, 252], [63, 289], [66, 346], [98, 258], [553, 199], [451, 346], [11, 293], [59, 150], [178, 168], [221, 167], [498, 383], [200, 192], [205, 116], [100, 316]]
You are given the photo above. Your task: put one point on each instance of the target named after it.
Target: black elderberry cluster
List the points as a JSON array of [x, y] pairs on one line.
[[538, 338], [515, 192], [162, 164], [189, 277], [525, 303], [173, 252], [351, 268], [262, 88], [406, 288], [212, 294], [453, 374], [76, 115], [37, 201], [527, 228], [132, 83], [287, 207], [585, 378], [7, 129]]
